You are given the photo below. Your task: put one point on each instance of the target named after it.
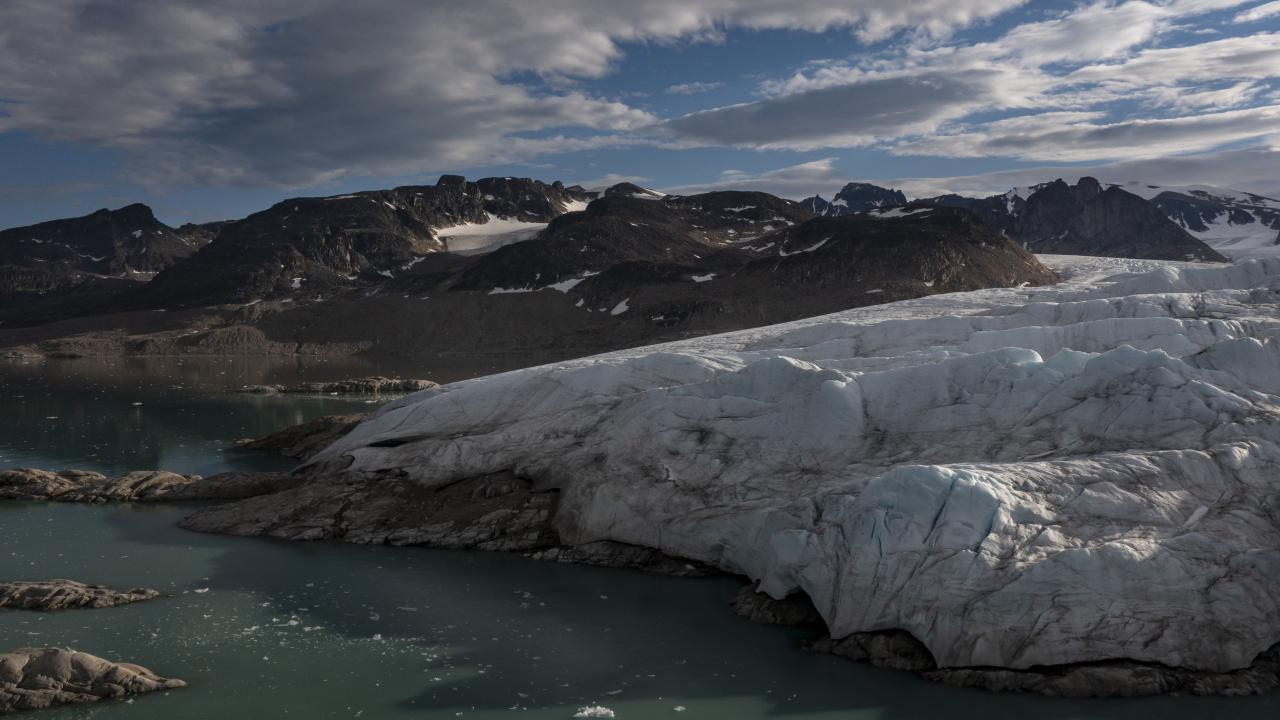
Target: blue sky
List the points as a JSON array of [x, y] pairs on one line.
[[215, 109]]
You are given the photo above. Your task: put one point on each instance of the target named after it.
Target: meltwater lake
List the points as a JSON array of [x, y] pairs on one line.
[[271, 629]]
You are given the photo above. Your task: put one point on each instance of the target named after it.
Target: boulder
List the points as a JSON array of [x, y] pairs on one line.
[[34, 678]]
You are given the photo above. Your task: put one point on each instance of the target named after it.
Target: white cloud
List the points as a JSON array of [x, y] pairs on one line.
[[693, 88], [1259, 12], [1251, 57], [795, 181], [1049, 138], [604, 181], [1254, 170]]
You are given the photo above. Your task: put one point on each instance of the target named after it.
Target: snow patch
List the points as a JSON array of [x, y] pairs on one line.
[[811, 248]]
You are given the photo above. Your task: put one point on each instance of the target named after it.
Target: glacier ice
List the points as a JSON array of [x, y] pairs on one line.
[[1017, 477]]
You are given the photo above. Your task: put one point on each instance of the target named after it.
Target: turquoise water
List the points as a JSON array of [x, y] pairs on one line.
[[267, 629]]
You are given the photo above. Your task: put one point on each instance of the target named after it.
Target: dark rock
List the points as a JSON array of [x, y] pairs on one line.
[[795, 610], [605, 553], [67, 594], [1086, 220], [223, 487], [893, 649], [862, 197], [306, 439], [1119, 679], [35, 678], [493, 512]]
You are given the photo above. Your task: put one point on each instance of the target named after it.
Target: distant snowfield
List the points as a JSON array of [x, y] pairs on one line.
[[1242, 241], [1018, 477], [475, 238]]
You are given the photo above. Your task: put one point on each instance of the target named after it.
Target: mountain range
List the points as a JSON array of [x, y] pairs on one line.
[[514, 264]]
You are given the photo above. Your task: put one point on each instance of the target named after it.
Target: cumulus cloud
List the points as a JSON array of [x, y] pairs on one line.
[[300, 91]]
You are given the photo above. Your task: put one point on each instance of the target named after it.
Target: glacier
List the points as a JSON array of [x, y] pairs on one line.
[[1018, 477]]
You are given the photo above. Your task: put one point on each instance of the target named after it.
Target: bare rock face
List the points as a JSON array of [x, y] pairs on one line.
[[33, 484], [34, 678], [605, 553], [228, 486], [893, 649], [376, 385], [67, 594], [306, 439], [494, 512], [795, 610], [84, 486]]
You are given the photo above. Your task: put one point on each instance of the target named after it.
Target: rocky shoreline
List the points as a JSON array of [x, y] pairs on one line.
[[86, 486]]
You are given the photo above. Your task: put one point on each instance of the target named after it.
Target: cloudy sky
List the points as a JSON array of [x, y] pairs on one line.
[[216, 108]]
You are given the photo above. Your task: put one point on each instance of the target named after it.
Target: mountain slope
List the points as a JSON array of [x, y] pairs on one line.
[[310, 246], [124, 242], [701, 232], [1085, 219], [1234, 223]]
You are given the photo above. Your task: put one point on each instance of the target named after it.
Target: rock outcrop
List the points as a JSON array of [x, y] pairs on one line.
[[494, 512], [357, 386], [67, 594], [306, 439], [36, 678], [795, 610], [85, 486]]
